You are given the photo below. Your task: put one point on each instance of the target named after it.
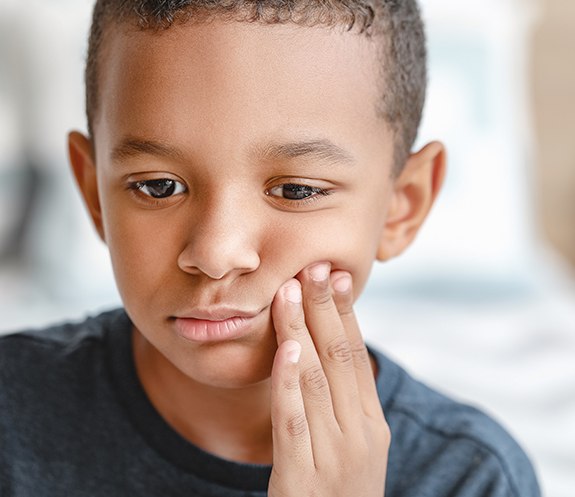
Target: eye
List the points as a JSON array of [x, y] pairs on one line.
[[293, 191], [160, 188]]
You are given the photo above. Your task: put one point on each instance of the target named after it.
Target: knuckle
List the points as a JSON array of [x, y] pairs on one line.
[[360, 353], [381, 433], [340, 351], [345, 307], [346, 312], [296, 425], [291, 384], [385, 433], [313, 379], [322, 300], [297, 327]]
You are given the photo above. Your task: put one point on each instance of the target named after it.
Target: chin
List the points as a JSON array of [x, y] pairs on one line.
[[230, 365], [234, 382]]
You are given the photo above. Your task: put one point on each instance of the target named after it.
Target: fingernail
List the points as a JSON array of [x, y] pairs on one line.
[[293, 351], [292, 293], [319, 272], [342, 284]]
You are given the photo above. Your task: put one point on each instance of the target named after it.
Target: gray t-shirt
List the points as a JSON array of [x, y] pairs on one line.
[[75, 421]]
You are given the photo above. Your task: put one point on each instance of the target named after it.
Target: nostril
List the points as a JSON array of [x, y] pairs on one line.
[[217, 260]]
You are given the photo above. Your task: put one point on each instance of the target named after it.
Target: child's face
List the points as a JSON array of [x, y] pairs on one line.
[[234, 115]]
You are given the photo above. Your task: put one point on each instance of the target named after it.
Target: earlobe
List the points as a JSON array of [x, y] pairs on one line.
[[413, 193], [84, 168]]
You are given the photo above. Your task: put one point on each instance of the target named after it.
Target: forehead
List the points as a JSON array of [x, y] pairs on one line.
[[239, 83]]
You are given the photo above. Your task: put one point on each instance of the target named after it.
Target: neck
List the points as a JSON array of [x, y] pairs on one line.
[[232, 423]]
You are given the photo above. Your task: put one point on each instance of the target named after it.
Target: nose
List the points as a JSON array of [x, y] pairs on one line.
[[222, 241]]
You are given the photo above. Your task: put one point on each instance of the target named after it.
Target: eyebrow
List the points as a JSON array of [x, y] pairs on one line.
[[322, 149], [131, 147]]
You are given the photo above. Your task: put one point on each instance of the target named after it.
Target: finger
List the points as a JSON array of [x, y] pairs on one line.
[[332, 343], [289, 323], [292, 450], [343, 297]]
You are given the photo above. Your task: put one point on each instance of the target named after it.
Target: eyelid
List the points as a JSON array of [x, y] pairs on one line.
[[315, 190], [135, 182], [143, 183], [322, 187]]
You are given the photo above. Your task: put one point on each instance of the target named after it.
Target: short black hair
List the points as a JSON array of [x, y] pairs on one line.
[[397, 23]]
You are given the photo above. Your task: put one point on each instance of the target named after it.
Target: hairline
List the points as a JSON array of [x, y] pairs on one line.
[[382, 77]]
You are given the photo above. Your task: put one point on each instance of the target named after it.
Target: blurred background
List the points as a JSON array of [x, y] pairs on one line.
[[482, 307]]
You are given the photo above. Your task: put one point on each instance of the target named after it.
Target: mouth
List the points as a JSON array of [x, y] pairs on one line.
[[215, 325]]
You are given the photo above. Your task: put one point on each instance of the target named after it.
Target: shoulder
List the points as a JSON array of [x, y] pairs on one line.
[[65, 337], [56, 373], [447, 446], [57, 398], [41, 355]]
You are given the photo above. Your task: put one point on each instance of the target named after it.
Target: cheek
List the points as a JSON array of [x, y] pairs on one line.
[[356, 258], [348, 244], [143, 252]]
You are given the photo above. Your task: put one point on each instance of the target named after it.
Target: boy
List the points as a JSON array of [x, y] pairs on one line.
[[246, 163]]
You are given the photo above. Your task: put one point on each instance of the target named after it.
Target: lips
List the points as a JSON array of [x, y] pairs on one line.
[[219, 314], [215, 325]]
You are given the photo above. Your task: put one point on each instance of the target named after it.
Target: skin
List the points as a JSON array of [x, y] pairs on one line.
[[217, 99]]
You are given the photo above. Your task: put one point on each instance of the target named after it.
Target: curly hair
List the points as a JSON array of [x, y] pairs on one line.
[[397, 23]]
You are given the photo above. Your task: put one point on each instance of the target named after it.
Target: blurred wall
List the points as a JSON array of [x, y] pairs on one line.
[[553, 93]]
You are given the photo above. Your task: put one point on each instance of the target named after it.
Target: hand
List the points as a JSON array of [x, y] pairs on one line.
[[330, 437]]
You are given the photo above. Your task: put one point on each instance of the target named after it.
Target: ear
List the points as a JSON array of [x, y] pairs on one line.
[[84, 167], [413, 193]]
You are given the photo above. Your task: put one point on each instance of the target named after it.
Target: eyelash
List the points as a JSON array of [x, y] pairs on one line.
[[136, 187], [316, 194]]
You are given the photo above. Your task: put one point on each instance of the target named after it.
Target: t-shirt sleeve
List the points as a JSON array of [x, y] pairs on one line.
[[444, 448], [461, 454]]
